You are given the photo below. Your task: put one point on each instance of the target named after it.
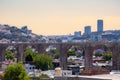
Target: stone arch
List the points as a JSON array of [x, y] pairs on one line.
[[103, 48], [63, 48], [13, 49], [53, 51]]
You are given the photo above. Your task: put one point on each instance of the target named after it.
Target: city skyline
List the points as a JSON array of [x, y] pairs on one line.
[[60, 17]]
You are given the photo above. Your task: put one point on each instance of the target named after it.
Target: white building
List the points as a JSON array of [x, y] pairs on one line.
[[30, 67]]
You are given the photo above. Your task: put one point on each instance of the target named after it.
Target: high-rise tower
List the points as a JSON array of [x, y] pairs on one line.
[[87, 30], [99, 25]]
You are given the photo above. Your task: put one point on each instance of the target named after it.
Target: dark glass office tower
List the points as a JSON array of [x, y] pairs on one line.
[[87, 30], [99, 25]]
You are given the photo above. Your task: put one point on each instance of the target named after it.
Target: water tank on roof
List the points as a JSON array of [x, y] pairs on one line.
[[58, 72]]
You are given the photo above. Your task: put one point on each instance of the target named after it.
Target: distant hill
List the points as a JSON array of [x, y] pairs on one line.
[[14, 34]]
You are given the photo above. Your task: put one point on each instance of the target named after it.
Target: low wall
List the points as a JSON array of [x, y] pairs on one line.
[[75, 78]]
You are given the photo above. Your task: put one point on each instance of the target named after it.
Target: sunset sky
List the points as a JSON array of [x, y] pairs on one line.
[[60, 17]]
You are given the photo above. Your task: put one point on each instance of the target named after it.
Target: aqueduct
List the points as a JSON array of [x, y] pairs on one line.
[[63, 48]]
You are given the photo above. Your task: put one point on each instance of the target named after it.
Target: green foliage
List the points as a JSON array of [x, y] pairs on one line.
[[98, 54], [9, 54], [44, 76], [78, 55], [1, 77], [70, 59], [29, 55], [107, 56], [16, 72], [55, 52], [43, 62], [105, 48], [71, 53], [56, 55]]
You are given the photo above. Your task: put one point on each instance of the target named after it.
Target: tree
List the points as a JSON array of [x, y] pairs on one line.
[[107, 56], [71, 53], [98, 54], [55, 52], [43, 62], [16, 72], [56, 55], [29, 55], [9, 54]]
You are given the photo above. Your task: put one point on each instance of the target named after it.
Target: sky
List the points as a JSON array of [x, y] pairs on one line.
[[60, 17]]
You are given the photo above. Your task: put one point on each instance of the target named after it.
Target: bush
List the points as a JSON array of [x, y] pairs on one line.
[[78, 55], [44, 76]]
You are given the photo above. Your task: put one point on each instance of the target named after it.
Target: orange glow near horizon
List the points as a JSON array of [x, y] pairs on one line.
[[60, 17]]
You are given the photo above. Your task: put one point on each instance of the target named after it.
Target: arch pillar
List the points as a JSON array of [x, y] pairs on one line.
[[41, 48], [116, 57], [2, 52], [88, 56], [20, 52], [63, 55]]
